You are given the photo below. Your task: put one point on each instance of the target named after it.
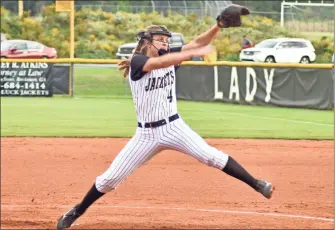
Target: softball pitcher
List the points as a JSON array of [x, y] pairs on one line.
[[151, 72]]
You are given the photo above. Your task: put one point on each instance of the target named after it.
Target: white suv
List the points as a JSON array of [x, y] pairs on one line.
[[280, 50], [126, 50]]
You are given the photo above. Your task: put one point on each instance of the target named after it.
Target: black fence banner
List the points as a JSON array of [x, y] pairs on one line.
[[60, 79], [26, 79], [286, 87]]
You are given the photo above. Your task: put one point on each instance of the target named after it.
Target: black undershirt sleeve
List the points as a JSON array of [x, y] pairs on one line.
[[136, 66]]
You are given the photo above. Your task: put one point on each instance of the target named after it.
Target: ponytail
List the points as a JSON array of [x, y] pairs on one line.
[[124, 65]]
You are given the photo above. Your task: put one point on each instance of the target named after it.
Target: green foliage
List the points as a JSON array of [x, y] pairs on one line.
[[98, 34], [325, 47], [9, 26]]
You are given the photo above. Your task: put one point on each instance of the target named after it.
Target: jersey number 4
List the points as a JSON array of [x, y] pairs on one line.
[[170, 96]]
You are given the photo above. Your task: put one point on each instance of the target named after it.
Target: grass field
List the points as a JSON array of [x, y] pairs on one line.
[[97, 82], [102, 107], [316, 36], [107, 117]]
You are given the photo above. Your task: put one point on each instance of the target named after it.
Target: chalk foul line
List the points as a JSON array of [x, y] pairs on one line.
[[180, 209]]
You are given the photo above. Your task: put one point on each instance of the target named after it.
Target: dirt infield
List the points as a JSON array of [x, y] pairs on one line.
[[41, 178]]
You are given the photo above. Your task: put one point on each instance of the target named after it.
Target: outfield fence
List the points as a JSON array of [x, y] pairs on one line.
[[288, 85]]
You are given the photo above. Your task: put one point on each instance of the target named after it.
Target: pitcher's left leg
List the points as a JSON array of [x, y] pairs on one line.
[[179, 136]]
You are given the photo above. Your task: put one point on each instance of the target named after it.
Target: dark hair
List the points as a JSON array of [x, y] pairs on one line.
[[142, 37]]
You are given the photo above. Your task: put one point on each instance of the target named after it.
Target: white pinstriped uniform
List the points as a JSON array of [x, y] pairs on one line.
[[155, 97], [156, 100]]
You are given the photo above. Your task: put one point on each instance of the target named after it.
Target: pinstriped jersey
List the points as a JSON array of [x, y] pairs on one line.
[[154, 94]]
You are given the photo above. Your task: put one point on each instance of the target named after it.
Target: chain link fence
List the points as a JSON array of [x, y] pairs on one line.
[[201, 8], [309, 19], [297, 18]]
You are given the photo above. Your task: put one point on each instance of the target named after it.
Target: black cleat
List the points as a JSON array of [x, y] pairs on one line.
[[68, 218], [265, 188]]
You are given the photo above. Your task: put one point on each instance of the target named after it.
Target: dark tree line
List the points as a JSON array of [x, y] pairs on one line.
[[32, 5]]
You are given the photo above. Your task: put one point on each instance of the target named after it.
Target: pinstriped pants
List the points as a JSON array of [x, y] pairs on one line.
[[147, 142]]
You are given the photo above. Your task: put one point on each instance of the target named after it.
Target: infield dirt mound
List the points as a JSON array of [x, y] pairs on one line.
[[41, 178]]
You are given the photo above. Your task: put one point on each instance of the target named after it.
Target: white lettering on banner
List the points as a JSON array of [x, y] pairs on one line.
[[9, 73], [35, 73], [217, 94], [24, 65], [234, 85], [5, 65], [22, 73], [250, 95], [250, 92], [34, 92], [9, 92], [269, 82], [15, 66], [26, 79], [32, 65], [7, 79]]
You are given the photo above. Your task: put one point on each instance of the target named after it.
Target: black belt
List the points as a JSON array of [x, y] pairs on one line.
[[158, 123]]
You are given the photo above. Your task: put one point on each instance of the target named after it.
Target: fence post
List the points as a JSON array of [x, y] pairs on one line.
[[72, 32], [124, 86], [282, 14], [71, 79], [20, 7], [153, 6], [185, 8]]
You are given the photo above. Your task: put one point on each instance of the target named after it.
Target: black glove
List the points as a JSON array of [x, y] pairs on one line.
[[231, 16]]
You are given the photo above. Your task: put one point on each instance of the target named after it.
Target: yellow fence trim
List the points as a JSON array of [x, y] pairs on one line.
[[189, 63], [260, 64]]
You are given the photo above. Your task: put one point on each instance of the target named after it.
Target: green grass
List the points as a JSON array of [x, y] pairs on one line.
[[102, 107], [316, 36], [100, 81], [107, 117]]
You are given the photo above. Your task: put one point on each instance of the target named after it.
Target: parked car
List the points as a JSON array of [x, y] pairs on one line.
[[280, 50], [176, 40], [3, 37], [125, 50], [26, 49]]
